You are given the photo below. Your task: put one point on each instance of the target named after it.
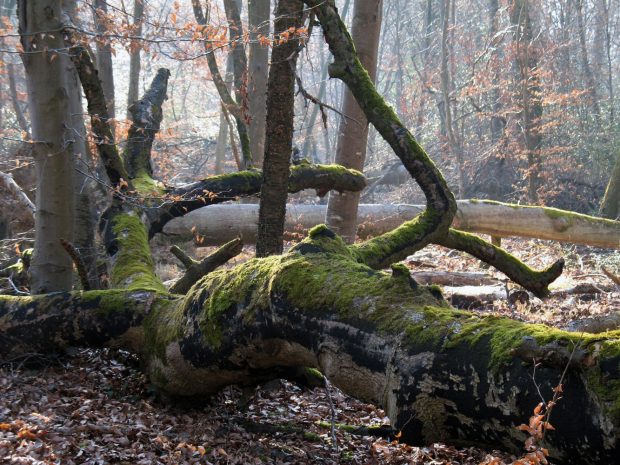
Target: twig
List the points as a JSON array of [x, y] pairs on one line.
[[333, 414], [610, 275]]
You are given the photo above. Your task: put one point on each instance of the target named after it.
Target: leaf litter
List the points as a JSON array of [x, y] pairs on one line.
[[96, 407]]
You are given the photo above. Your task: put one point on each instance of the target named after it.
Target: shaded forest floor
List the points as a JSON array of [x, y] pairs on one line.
[[95, 407]]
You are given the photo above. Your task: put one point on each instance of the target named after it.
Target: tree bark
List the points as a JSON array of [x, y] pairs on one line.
[[258, 67], [17, 106], [353, 132], [440, 374], [610, 205], [84, 218], [220, 223], [529, 92], [133, 93], [104, 55], [51, 268], [240, 77], [279, 133], [17, 211]]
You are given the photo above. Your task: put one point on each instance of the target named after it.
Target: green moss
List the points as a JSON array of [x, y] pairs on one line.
[[395, 245], [133, 266], [108, 301], [163, 325], [249, 176], [145, 185]]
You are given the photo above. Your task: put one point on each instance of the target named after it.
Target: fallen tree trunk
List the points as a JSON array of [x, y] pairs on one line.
[[440, 374], [219, 224]]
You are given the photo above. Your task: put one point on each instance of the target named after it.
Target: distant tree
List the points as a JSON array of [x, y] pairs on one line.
[[610, 206], [133, 92], [353, 131]]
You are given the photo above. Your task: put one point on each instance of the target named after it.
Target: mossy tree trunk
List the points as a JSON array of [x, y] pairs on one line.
[[441, 374]]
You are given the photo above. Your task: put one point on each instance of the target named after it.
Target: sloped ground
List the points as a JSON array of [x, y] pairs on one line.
[[95, 407]]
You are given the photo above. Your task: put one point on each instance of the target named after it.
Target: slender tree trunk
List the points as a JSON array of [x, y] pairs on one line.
[[84, 220], [104, 56], [258, 68], [222, 135], [353, 132], [610, 206], [315, 110], [446, 92], [585, 63], [605, 10], [279, 134], [48, 101], [17, 106], [133, 93], [497, 122], [528, 85]]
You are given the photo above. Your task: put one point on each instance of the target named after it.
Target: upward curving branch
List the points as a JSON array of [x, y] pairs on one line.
[[441, 204], [432, 225]]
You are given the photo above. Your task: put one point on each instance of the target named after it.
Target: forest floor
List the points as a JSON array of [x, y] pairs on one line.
[[95, 407]]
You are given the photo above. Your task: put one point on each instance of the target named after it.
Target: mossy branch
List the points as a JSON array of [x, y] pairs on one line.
[[441, 205], [226, 187], [534, 281], [185, 259], [98, 111], [198, 269]]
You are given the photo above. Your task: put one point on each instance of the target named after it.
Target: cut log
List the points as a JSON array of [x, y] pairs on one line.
[[219, 224]]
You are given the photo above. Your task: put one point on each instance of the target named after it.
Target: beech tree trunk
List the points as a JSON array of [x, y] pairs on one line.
[[353, 132], [258, 67], [133, 93], [48, 102], [221, 223]]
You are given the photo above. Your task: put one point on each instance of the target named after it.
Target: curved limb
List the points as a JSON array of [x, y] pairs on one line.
[[226, 187], [441, 205], [534, 281]]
